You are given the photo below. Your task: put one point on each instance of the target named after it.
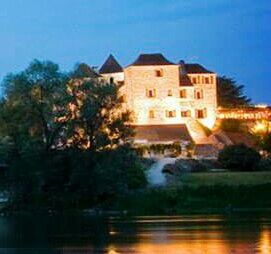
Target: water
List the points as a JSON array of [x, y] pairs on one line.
[[210, 234], [155, 175]]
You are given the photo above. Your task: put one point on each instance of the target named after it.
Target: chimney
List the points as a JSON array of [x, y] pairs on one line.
[[182, 67]]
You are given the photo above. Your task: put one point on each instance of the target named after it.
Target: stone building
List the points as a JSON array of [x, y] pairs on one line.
[[162, 93]]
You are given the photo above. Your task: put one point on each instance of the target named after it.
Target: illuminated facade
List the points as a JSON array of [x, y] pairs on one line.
[[160, 92]]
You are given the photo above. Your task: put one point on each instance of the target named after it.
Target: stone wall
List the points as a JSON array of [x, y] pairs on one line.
[[165, 105]]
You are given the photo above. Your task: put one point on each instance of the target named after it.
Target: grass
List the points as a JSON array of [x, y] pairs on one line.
[[226, 178], [203, 192]]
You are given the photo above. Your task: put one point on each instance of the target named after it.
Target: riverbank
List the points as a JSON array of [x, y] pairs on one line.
[[203, 192], [209, 192]]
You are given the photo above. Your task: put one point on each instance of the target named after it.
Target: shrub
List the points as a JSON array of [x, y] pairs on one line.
[[239, 158], [233, 125], [265, 164]]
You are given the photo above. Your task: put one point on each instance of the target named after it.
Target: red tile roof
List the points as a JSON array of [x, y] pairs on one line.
[[185, 80]]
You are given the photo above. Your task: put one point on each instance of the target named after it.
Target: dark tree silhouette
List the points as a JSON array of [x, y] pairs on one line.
[[230, 94]]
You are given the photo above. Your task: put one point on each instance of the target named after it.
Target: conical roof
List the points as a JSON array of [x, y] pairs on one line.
[[82, 70], [111, 65]]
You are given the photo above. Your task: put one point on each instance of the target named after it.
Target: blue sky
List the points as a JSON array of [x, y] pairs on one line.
[[231, 37]]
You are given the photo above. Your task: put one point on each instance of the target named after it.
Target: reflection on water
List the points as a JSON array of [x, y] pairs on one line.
[[244, 233]]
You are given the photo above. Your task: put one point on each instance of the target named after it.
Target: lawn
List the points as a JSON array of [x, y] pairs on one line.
[[226, 178], [204, 192]]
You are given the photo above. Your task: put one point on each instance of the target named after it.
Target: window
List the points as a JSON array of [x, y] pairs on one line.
[[170, 113], [201, 113], [207, 80], [120, 83], [212, 79], [122, 98], [194, 80], [159, 73], [111, 80], [151, 93], [185, 113], [151, 114], [183, 93], [169, 92], [199, 94]]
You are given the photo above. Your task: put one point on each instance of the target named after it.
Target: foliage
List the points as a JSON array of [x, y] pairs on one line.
[[97, 120], [230, 94], [239, 158], [65, 140], [232, 125], [264, 142], [197, 198], [33, 100], [265, 164], [159, 148]]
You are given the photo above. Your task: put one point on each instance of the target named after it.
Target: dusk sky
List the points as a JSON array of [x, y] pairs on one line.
[[230, 37]]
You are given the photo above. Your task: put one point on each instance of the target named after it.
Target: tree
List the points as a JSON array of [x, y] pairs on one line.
[[239, 158], [33, 100], [65, 138], [98, 121], [230, 94]]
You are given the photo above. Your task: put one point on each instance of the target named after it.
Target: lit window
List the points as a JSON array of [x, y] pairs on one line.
[[151, 114], [120, 83], [122, 98], [185, 113], [183, 93], [194, 80], [201, 113], [199, 94], [151, 93], [170, 113], [212, 80], [207, 80], [159, 73], [169, 92]]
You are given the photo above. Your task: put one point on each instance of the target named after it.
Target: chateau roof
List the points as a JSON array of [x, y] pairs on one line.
[[195, 68], [84, 71], [162, 133], [185, 80], [151, 59], [111, 65]]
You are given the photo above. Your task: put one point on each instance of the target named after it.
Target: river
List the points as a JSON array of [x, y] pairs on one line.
[[211, 234]]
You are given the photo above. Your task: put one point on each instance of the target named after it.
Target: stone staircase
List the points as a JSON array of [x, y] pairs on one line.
[[205, 145], [197, 132]]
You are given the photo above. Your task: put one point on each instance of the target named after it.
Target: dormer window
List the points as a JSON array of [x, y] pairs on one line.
[[194, 80], [159, 73], [212, 79], [151, 93], [206, 80]]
